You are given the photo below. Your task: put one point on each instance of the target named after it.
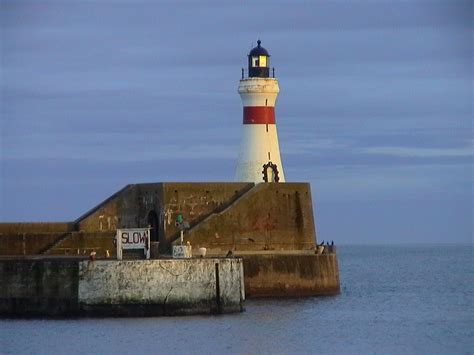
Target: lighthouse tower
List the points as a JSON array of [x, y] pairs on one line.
[[259, 157]]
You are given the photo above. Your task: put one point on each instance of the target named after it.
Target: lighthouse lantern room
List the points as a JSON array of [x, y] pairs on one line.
[[259, 158], [259, 62]]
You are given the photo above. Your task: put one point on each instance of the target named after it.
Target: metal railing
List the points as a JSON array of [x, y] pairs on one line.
[[246, 71]]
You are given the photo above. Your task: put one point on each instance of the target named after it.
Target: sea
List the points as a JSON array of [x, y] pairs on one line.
[[404, 299]]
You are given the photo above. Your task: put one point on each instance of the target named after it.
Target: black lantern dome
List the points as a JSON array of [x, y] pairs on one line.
[[259, 62]]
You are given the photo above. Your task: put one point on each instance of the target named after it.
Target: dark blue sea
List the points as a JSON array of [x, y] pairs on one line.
[[394, 300]]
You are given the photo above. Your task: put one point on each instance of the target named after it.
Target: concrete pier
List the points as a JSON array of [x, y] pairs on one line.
[[290, 274], [72, 287], [270, 225]]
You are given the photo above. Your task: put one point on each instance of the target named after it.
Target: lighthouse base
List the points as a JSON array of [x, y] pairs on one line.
[[259, 146]]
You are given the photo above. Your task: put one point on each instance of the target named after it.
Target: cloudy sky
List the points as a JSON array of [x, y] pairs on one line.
[[375, 109]]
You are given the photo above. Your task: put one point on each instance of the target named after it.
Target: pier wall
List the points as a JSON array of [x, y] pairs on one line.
[[39, 287], [66, 287], [29, 238], [287, 275], [221, 216], [267, 217], [36, 227], [247, 219]]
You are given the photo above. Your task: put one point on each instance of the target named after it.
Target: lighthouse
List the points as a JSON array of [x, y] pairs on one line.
[[259, 157]]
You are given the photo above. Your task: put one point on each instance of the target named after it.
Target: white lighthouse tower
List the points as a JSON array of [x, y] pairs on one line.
[[259, 157]]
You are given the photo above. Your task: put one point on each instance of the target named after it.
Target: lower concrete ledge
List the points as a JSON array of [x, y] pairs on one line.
[[71, 287], [290, 275]]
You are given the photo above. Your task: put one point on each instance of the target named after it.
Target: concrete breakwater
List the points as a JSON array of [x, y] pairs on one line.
[[270, 226], [72, 287], [291, 275]]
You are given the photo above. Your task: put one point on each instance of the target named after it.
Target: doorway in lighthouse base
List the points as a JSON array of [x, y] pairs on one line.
[[153, 223], [270, 172]]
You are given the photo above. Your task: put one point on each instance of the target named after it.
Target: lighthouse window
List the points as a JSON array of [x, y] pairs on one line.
[[263, 61], [255, 62]]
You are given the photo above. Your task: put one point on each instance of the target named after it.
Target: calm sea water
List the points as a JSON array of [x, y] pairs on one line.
[[395, 299]]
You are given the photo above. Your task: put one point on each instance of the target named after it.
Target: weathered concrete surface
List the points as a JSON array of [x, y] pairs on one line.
[[70, 243], [82, 243], [30, 238], [132, 206], [280, 275], [38, 287], [195, 201], [222, 216], [170, 286], [236, 217], [26, 243], [268, 217], [36, 227], [69, 286], [108, 215]]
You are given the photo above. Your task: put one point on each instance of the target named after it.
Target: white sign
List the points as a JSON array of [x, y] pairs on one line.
[[182, 251], [134, 238]]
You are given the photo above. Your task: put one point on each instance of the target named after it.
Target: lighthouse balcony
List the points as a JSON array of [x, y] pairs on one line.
[[259, 85]]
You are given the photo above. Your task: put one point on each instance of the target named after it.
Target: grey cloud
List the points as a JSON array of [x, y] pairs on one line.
[[96, 95]]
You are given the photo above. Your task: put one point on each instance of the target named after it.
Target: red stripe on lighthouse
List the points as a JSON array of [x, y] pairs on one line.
[[259, 115]]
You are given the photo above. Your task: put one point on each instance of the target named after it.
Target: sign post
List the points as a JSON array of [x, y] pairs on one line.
[[133, 238], [182, 251]]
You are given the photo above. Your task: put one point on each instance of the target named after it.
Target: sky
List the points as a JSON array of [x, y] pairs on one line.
[[375, 106]]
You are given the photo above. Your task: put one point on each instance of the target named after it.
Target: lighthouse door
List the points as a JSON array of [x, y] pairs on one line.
[[270, 172]]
